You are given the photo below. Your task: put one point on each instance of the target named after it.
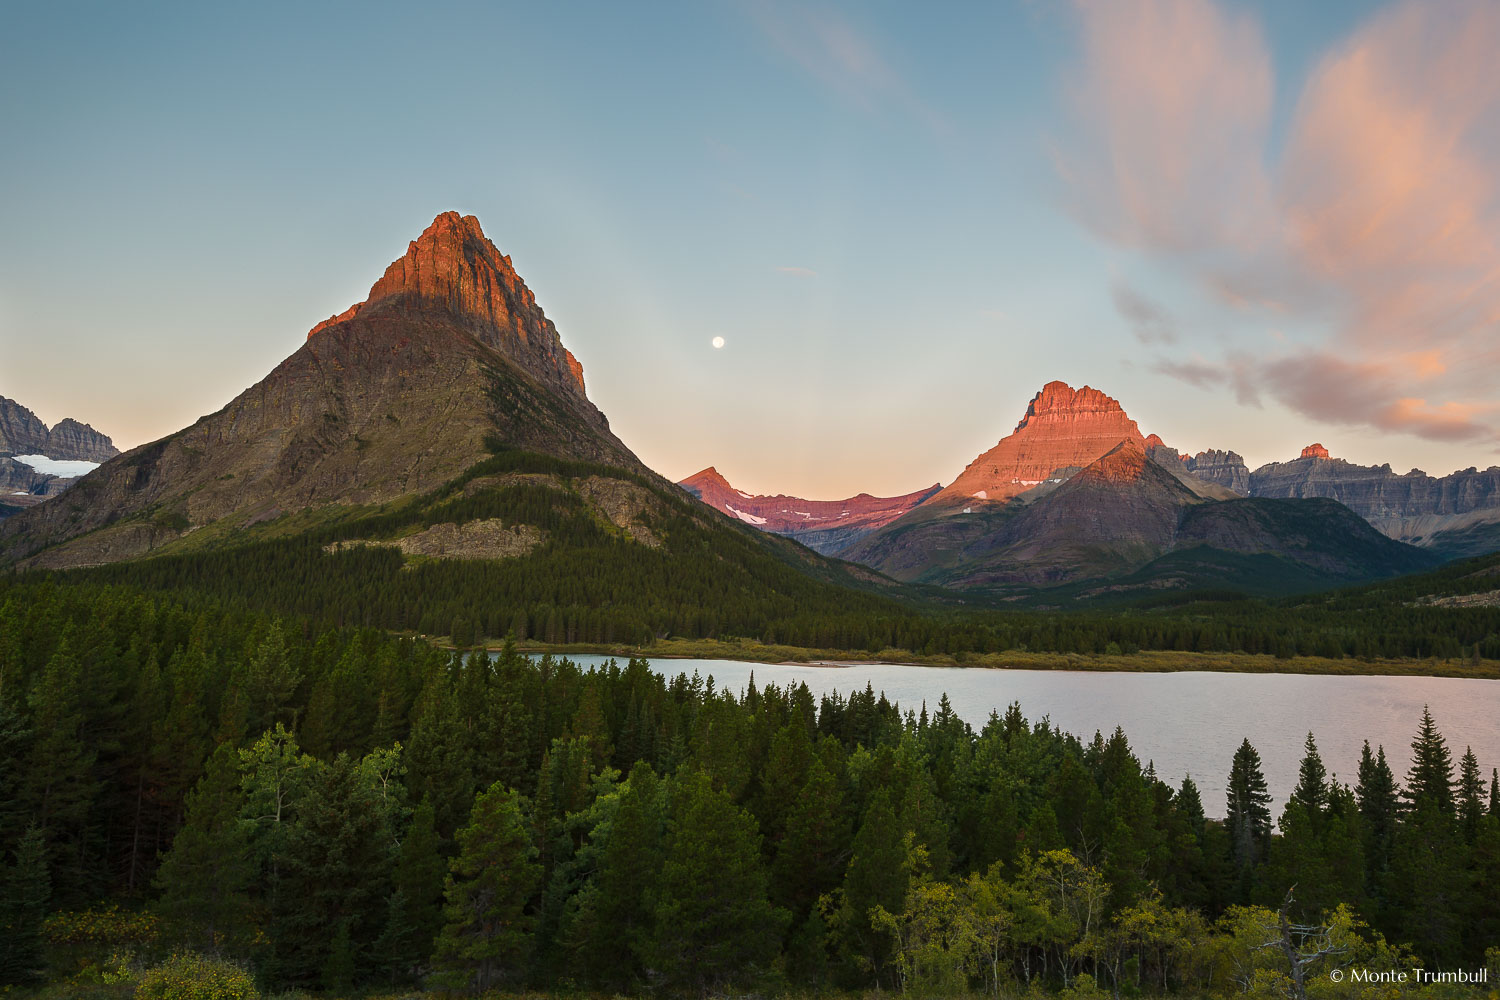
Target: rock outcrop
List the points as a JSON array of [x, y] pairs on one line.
[[1226, 468], [1456, 515], [70, 440], [1063, 427], [453, 268], [23, 433], [826, 526]]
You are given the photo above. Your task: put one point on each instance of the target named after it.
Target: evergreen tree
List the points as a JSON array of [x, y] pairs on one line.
[[1470, 795], [1248, 814], [713, 918], [1190, 804], [59, 786], [1312, 782], [1378, 809], [623, 921], [490, 885], [414, 912], [334, 874], [1431, 774], [205, 878], [24, 892], [808, 862], [877, 876]]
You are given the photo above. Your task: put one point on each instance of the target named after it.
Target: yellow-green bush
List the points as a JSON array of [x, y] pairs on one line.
[[196, 977]]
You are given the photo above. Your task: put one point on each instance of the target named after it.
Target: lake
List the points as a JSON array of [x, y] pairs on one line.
[[1186, 723]]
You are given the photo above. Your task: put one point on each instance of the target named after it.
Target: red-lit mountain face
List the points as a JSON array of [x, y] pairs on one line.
[[826, 526], [399, 394]]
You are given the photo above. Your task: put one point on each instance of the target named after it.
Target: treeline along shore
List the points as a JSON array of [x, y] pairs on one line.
[[191, 792]]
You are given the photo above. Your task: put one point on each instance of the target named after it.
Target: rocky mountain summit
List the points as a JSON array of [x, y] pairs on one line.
[[1062, 428], [448, 358], [825, 526], [1078, 498], [1226, 468], [453, 269], [23, 433]]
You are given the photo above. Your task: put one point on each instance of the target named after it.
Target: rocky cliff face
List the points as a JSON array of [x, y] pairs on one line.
[[397, 396], [1226, 468], [23, 433], [70, 440], [1456, 515], [453, 269], [1063, 427], [826, 526]]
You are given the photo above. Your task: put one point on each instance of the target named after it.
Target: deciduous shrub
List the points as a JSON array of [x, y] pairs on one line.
[[196, 977]]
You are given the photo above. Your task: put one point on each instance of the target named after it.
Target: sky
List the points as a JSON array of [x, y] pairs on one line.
[[1256, 225]]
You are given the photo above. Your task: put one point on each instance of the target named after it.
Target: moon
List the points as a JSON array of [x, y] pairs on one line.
[[718, 343]]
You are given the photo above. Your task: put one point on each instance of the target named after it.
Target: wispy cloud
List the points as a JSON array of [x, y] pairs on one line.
[[1379, 220], [1335, 390], [833, 50], [1149, 321], [800, 272]]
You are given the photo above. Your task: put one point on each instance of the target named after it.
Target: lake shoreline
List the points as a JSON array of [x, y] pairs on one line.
[[1153, 661]]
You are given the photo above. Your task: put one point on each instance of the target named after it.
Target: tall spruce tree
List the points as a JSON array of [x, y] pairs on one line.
[[1470, 795], [1431, 774], [1312, 781], [1247, 809], [486, 935], [612, 939], [24, 891], [205, 878], [713, 918]]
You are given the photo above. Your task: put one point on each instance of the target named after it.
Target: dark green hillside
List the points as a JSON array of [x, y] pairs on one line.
[[610, 556]]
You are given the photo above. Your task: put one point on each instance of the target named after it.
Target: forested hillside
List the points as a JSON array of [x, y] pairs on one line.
[[579, 577], [339, 809]]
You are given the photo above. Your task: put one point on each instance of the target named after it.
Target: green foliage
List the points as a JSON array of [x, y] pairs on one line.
[[755, 837], [197, 977], [713, 919], [206, 877], [24, 891], [485, 939]]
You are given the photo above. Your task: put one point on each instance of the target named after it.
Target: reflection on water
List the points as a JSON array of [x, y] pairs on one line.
[[1186, 723]]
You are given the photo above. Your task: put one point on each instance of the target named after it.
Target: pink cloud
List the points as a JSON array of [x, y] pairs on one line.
[[1174, 97], [1379, 221]]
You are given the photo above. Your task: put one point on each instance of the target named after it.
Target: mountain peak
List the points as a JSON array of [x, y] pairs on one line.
[[708, 475], [1124, 463], [1060, 398], [1314, 450], [453, 269], [1062, 428]]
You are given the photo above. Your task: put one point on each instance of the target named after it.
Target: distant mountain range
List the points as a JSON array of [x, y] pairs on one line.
[[822, 525], [55, 456], [403, 425], [1077, 493]]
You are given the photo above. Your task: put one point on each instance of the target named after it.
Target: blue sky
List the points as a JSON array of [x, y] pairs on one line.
[[902, 219]]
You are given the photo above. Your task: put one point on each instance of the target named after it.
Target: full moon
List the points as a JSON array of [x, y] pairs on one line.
[[718, 343]]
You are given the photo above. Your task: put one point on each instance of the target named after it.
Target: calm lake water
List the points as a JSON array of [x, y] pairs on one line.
[[1186, 723]]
